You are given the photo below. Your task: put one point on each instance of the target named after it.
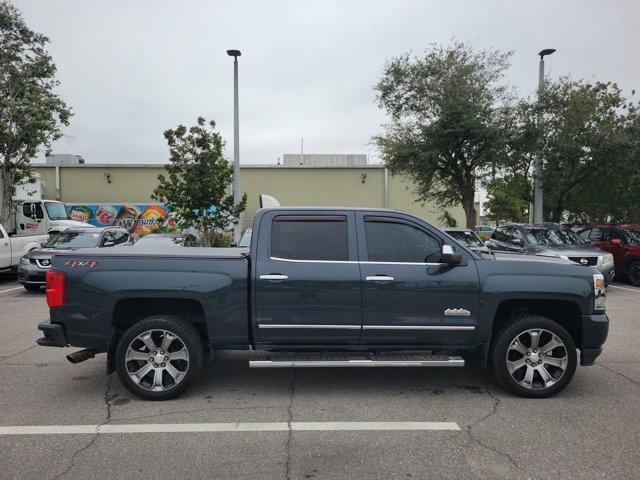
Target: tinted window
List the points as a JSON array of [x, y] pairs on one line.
[[309, 238], [612, 233], [596, 235], [585, 233], [399, 242], [633, 236]]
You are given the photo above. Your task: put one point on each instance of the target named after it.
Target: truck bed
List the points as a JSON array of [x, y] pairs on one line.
[[208, 284]]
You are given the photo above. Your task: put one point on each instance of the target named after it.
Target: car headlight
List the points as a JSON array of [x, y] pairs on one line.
[[24, 261], [606, 259], [599, 294]]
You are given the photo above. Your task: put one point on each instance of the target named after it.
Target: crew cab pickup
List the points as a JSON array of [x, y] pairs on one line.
[[327, 287], [13, 247]]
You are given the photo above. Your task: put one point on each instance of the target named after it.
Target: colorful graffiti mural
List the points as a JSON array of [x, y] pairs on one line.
[[139, 218]]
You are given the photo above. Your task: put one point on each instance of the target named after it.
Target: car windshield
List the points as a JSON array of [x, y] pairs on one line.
[[74, 240], [161, 241], [553, 236], [56, 211], [469, 239], [633, 236], [245, 241]]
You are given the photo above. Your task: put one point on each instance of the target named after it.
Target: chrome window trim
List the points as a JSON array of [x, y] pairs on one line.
[[363, 262]]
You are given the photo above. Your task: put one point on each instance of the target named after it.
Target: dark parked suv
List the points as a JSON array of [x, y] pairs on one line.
[[623, 242], [34, 265], [551, 240]]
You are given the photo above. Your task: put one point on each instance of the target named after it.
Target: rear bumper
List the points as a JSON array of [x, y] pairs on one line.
[[595, 329], [54, 335]]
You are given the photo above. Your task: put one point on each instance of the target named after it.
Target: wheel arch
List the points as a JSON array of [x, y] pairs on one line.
[[129, 311]]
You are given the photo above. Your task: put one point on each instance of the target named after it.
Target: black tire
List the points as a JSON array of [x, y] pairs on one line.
[[31, 288], [633, 273], [502, 341], [187, 335]]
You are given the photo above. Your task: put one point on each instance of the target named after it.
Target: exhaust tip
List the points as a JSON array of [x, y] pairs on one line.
[[81, 355]]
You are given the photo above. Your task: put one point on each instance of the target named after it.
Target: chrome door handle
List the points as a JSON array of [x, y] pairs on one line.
[[379, 278], [273, 277]]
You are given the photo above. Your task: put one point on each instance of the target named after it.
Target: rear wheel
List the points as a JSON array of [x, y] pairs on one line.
[[159, 357], [633, 273], [533, 356]]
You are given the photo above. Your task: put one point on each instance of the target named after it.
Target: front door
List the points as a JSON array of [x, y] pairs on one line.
[[307, 279], [409, 298]]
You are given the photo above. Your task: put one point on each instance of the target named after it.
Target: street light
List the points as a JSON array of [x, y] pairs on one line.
[[236, 141], [538, 180]]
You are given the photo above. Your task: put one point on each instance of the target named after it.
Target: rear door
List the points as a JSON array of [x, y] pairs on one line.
[[408, 297], [307, 279]]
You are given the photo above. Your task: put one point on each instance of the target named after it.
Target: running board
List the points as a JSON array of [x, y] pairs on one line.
[[337, 360]]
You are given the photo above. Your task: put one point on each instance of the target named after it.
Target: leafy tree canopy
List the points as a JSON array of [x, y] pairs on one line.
[[448, 111], [31, 112], [197, 181]]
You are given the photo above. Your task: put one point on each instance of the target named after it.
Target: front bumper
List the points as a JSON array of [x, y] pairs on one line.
[[54, 335], [608, 271], [32, 275], [595, 328]]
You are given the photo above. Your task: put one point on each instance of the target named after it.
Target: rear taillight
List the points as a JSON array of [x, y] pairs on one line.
[[56, 288]]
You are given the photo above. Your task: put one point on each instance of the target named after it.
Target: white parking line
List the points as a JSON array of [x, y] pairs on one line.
[[227, 427], [10, 289], [634, 290]]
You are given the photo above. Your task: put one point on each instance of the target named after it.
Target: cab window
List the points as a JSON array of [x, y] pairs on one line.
[[389, 240], [310, 237]]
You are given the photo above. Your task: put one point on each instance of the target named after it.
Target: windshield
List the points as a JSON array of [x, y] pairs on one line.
[[553, 236], [56, 211], [74, 240], [245, 241], [469, 239], [633, 236]]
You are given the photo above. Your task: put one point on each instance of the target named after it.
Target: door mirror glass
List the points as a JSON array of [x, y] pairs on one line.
[[449, 255], [616, 241], [33, 211]]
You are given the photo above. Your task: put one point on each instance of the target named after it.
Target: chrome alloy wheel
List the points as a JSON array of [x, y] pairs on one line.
[[537, 358], [157, 360]]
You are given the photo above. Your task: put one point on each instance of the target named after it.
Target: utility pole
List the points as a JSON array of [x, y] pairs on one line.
[[538, 188], [236, 142]]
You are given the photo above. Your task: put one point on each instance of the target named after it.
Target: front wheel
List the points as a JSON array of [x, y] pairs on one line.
[[159, 357], [633, 273], [533, 356]]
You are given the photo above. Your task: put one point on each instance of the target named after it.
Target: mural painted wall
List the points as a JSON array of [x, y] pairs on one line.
[[139, 218]]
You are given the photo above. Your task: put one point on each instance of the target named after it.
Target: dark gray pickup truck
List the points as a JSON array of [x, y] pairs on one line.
[[327, 287]]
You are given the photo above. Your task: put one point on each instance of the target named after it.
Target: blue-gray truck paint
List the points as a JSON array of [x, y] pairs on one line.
[[345, 312]]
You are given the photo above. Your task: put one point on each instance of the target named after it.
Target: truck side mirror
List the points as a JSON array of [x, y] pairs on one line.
[[33, 211], [616, 241], [449, 256]]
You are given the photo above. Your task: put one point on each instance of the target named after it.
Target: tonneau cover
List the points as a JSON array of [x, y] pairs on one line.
[[202, 252]]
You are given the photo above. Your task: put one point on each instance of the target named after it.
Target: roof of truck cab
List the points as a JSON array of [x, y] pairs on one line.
[[361, 209]]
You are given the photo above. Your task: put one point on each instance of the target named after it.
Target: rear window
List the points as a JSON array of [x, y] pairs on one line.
[[310, 237]]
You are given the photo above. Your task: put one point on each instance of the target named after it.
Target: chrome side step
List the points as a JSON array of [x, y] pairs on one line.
[[337, 360]]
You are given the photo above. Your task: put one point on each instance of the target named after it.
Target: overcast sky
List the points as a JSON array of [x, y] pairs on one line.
[[131, 69]]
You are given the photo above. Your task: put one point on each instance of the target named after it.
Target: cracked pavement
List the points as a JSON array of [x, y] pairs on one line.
[[590, 430]]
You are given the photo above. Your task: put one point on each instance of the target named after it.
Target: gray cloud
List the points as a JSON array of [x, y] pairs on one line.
[[131, 69]]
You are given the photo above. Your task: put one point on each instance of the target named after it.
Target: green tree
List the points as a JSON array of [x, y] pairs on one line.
[[31, 113], [197, 181], [506, 198], [448, 111]]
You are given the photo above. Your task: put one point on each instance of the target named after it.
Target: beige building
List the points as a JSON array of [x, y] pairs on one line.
[[293, 184]]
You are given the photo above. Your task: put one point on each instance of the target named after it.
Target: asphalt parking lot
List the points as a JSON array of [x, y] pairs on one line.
[[590, 430]]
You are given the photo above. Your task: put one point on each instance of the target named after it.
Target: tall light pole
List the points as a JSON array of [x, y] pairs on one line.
[[236, 141], [538, 175]]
